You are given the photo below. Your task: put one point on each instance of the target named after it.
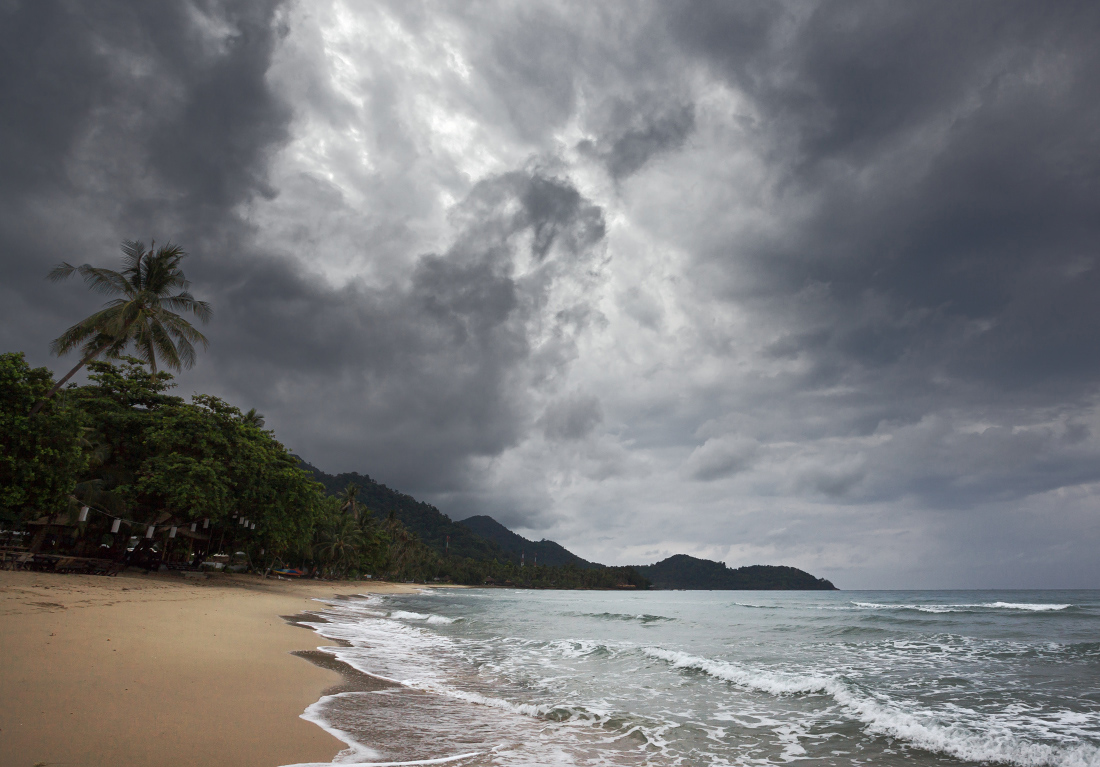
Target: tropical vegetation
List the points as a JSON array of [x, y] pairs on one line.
[[151, 289]]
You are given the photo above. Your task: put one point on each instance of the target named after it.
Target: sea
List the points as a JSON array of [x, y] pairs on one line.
[[521, 677]]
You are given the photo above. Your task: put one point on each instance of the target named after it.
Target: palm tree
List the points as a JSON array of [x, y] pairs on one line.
[[339, 542], [252, 418], [152, 288], [348, 499]]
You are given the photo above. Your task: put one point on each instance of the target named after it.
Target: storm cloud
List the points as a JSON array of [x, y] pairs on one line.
[[789, 283]]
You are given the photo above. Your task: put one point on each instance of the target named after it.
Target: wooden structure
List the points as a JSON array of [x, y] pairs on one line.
[[57, 543]]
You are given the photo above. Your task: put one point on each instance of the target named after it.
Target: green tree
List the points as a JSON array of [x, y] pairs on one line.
[[41, 458], [152, 289], [348, 499], [339, 543], [194, 460], [252, 418]]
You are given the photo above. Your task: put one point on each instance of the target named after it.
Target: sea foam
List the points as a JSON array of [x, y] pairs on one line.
[[935, 608], [890, 720]]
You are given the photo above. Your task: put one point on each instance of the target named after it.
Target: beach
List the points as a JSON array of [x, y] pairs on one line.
[[161, 670]]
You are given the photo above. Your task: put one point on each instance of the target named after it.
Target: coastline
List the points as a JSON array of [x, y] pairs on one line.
[[159, 669]]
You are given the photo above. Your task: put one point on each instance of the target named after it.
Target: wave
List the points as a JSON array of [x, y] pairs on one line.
[[405, 615], [933, 608], [580, 648], [1040, 607], [889, 720], [759, 607], [641, 617], [526, 709]]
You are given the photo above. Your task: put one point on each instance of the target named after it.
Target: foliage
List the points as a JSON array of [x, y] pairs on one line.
[[152, 286], [431, 525], [41, 458], [153, 289], [348, 498]]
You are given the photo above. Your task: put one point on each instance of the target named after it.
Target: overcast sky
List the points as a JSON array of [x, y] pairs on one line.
[[780, 283]]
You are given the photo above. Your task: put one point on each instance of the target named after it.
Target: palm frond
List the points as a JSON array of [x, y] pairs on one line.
[[72, 338], [151, 290], [168, 352], [97, 323], [186, 302], [62, 271], [181, 328], [185, 352], [103, 280], [132, 251]]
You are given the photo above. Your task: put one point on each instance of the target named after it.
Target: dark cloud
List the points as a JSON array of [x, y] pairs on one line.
[[716, 459], [129, 120], [571, 418], [434, 372], [765, 279], [950, 157], [632, 133]]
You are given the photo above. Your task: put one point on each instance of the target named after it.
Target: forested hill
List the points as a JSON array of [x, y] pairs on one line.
[[684, 572], [428, 522], [543, 552]]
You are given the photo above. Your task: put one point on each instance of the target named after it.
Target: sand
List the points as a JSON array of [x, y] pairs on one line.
[[160, 670]]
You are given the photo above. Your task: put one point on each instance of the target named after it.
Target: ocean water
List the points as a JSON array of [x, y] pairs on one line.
[[503, 677]]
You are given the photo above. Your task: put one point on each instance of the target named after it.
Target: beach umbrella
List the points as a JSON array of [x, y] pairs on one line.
[[115, 525]]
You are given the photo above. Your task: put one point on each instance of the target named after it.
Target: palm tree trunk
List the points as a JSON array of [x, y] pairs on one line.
[[38, 405]]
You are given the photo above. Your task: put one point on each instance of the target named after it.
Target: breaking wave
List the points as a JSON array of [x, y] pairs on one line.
[[405, 615], [934, 608], [880, 718], [640, 618]]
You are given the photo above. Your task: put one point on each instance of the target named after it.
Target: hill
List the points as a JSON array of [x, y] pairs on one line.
[[429, 523], [684, 572], [542, 552]]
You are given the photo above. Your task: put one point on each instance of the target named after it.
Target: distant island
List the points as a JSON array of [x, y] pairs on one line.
[[677, 572], [684, 572]]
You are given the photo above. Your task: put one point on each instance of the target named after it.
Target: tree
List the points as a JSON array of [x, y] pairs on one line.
[[252, 418], [194, 460], [152, 289], [349, 500], [339, 543], [40, 460]]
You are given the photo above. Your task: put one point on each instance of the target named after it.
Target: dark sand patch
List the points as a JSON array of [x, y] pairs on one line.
[[354, 679]]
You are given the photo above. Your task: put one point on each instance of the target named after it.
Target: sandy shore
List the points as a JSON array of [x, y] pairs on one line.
[[159, 670]]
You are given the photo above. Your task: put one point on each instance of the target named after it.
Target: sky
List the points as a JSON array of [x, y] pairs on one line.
[[795, 283]]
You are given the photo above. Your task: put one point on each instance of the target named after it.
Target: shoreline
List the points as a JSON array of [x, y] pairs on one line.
[[160, 669]]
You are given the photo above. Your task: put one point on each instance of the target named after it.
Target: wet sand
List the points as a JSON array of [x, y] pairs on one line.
[[162, 670]]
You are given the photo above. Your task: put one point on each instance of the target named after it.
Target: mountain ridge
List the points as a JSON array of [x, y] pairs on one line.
[[544, 552], [434, 528], [481, 537]]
